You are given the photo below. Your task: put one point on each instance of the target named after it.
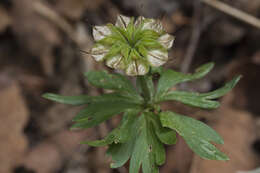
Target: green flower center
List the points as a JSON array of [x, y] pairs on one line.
[[132, 45], [134, 40], [130, 41]]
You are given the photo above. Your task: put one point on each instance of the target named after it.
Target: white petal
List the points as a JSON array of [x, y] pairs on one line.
[[152, 24], [166, 40], [157, 58], [99, 52], [131, 70], [100, 32], [122, 21], [148, 23], [115, 62], [136, 68], [139, 20], [142, 68]]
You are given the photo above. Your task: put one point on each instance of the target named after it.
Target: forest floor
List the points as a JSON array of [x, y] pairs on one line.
[[39, 52]]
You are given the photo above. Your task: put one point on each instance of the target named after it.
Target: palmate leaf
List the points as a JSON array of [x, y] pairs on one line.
[[103, 79], [122, 146], [196, 134], [200, 100], [120, 134], [148, 151], [144, 149], [102, 109], [165, 135], [222, 91], [116, 82], [120, 153], [169, 78]]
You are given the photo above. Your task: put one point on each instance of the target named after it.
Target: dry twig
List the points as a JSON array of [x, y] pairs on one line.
[[234, 12], [50, 14], [195, 36]]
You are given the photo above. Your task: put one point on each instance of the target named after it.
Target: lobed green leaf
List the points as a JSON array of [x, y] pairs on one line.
[[71, 100], [196, 134], [169, 78], [191, 99], [143, 148], [120, 153], [148, 150], [116, 82], [120, 134], [200, 100], [165, 135], [102, 110], [223, 90]]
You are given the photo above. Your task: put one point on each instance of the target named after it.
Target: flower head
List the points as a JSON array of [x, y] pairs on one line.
[[132, 45]]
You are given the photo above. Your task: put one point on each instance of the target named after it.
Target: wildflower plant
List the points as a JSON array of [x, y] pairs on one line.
[[139, 47]]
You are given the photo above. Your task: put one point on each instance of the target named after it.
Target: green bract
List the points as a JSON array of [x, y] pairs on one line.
[[132, 45], [145, 128]]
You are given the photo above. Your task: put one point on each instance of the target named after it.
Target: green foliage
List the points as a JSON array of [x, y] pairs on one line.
[[146, 86], [196, 134], [165, 135], [148, 151], [200, 100], [144, 128], [71, 100], [97, 112], [144, 147], [170, 78], [116, 82], [120, 134]]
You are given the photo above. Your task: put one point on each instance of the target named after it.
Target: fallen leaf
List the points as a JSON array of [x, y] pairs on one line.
[[5, 19], [72, 9], [13, 117], [43, 158]]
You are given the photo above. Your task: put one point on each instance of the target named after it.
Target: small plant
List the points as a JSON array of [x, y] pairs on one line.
[[140, 48]]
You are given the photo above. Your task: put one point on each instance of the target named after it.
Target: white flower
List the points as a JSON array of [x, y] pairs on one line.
[[166, 40], [131, 45], [152, 24], [115, 62], [100, 32], [99, 52], [157, 57], [122, 21]]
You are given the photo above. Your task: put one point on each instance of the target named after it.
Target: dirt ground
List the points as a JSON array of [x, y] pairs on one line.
[[40, 43]]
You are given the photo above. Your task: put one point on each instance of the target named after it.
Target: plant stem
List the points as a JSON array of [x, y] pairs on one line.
[[146, 87]]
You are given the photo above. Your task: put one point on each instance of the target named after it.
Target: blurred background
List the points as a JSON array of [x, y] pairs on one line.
[[40, 43]]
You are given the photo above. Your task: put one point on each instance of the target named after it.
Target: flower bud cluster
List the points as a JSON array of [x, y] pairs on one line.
[[132, 45]]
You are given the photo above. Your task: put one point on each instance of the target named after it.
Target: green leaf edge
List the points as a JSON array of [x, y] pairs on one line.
[[71, 100], [218, 141]]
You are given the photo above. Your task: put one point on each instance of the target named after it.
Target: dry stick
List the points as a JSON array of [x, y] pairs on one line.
[[234, 12], [195, 36], [54, 17]]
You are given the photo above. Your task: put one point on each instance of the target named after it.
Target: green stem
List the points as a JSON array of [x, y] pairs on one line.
[[147, 88]]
